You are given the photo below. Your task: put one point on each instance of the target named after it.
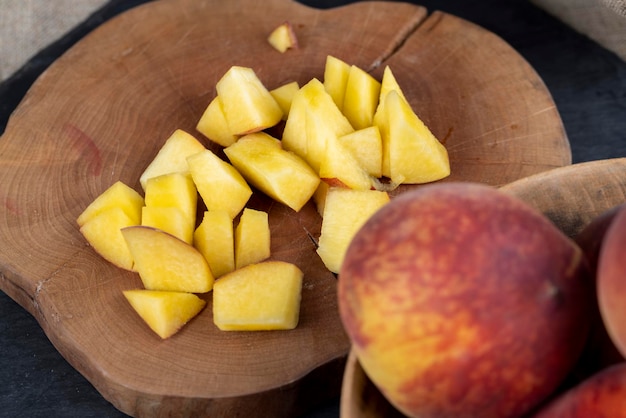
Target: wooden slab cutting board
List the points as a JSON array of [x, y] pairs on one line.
[[102, 111]]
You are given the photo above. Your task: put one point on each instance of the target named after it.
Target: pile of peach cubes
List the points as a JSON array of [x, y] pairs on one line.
[[341, 138]]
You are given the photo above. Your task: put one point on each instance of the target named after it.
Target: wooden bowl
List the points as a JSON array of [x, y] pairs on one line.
[[102, 111], [569, 196]]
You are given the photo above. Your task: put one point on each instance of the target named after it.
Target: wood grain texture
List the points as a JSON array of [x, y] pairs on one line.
[[102, 111], [569, 196]]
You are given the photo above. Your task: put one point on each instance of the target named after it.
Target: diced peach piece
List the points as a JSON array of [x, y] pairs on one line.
[[173, 190], [294, 132], [345, 211], [322, 125], [340, 168], [262, 296], [219, 184], [366, 146], [246, 102], [215, 239], [252, 238], [165, 262], [361, 98], [316, 139], [283, 38], [284, 96], [323, 120], [214, 126], [164, 312], [172, 157], [276, 172], [117, 195], [102, 232], [169, 219], [313, 115], [319, 197], [336, 74], [415, 154], [389, 83]]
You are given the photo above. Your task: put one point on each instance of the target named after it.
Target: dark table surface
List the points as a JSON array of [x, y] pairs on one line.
[[587, 82]]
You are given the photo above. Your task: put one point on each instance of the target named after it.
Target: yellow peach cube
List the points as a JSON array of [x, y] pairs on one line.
[[388, 84], [319, 197], [366, 146], [213, 124], [312, 118], [336, 74], [283, 38], [172, 157], [117, 195], [345, 211], [103, 233], [169, 219], [361, 98], [173, 190], [262, 296], [247, 104], [280, 174], [215, 239], [252, 238], [294, 132], [164, 312], [340, 167], [219, 184], [165, 262], [323, 123], [284, 96], [415, 155]]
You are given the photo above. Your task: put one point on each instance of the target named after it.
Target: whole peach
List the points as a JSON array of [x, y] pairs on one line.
[[600, 351], [463, 301], [611, 280], [602, 395]]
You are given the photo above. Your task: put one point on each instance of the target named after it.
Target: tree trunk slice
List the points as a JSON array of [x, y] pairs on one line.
[[569, 196], [101, 112]]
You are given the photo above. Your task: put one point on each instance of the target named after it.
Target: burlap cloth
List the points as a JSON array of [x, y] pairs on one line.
[[604, 21], [26, 26]]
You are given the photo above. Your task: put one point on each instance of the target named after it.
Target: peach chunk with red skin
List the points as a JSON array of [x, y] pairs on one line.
[[463, 301]]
